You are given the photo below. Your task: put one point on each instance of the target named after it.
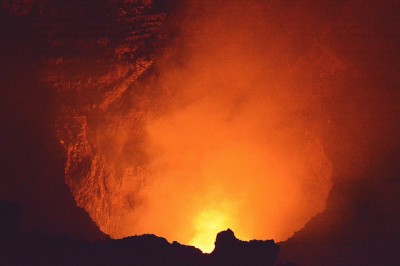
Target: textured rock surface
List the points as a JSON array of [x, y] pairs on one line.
[[115, 55], [93, 53]]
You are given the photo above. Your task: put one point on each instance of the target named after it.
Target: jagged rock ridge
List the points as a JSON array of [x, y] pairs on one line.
[[21, 248]]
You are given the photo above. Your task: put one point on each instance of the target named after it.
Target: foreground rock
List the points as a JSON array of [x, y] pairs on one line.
[[21, 248], [231, 251]]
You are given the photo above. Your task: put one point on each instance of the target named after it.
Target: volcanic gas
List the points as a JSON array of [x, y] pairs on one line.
[[221, 131]]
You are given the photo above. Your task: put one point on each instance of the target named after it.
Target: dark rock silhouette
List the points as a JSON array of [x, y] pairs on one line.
[[231, 251], [10, 214], [366, 237], [22, 248]]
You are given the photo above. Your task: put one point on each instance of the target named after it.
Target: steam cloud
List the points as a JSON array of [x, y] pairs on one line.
[[232, 130], [236, 143]]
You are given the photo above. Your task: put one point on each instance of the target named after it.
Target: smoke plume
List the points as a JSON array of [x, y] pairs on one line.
[[231, 137], [229, 127]]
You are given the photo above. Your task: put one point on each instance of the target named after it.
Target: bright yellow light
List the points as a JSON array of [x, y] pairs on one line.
[[208, 224]]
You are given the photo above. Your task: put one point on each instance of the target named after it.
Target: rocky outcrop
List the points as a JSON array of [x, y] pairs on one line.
[[231, 251], [22, 248]]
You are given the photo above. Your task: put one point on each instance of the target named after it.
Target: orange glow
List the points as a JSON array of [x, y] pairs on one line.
[[207, 225], [229, 139]]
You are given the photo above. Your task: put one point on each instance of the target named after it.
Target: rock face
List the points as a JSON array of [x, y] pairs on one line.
[[92, 54], [103, 62]]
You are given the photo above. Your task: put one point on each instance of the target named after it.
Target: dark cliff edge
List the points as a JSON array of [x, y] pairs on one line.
[[22, 248]]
